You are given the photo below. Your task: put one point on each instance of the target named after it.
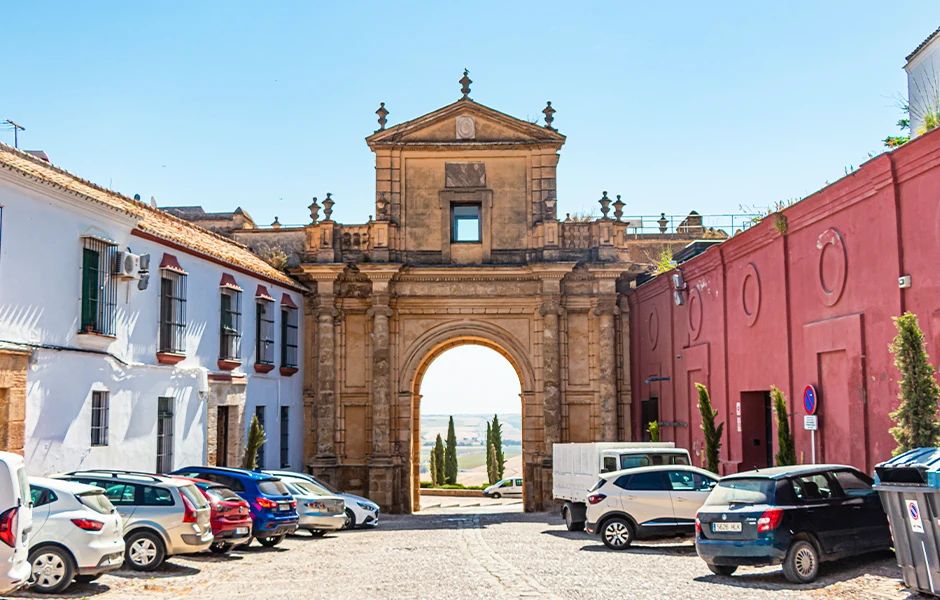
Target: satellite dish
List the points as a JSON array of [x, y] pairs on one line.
[[153, 202]]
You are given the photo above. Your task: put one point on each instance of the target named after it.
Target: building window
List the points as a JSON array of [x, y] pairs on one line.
[[285, 437], [231, 326], [99, 287], [99, 418], [288, 336], [164, 435], [172, 311], [259, 412], [465, 223], [264, 332]]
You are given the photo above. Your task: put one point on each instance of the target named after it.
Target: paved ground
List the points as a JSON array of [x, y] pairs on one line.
[[476, 552]]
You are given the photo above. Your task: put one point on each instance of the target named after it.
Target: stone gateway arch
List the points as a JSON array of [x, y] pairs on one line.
[[464, 248]]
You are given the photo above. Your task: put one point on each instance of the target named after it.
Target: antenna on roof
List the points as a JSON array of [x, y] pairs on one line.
[[16, 132]]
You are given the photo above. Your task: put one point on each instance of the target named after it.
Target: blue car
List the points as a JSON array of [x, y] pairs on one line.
[[273, 509]]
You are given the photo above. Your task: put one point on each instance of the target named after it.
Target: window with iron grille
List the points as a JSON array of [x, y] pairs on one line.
[[264, 332], [172, 311], [99, 418], [259, 412], [99, 286], [285, 437], [164, 435], [231, 327], [288, 336]]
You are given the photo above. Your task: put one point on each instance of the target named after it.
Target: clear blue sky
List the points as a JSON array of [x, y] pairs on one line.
[[676, 106]]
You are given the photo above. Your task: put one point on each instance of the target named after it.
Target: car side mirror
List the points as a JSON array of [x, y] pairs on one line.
[[712, 485]]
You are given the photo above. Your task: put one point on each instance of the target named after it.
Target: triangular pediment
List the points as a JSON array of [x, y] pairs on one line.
[[465, 122]]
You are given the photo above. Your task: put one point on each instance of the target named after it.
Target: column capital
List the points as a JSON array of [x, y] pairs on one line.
[[323, 275], [380, 274], [551, 275], [606, 305], [384, 311]]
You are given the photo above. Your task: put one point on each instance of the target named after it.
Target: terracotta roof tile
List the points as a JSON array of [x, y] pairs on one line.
[[153, 221], [922, 44]]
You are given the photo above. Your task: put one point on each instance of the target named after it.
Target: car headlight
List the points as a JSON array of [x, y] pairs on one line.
[[367, 506]]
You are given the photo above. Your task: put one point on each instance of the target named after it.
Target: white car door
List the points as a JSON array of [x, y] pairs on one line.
[[689, 491], [646, 498]]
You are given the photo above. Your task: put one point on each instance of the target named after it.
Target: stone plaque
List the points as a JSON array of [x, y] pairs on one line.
[[465, 174], [466, 128]]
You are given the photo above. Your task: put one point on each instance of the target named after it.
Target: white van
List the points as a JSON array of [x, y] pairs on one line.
[[16, 520]]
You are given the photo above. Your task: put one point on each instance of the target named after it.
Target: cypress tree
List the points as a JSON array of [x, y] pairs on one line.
[[439, 459], [498, 445], [786, 451], [433, 468], [450, 455], [491, 465], [916, 417], [712, 432], [489, 442], [255, 440]]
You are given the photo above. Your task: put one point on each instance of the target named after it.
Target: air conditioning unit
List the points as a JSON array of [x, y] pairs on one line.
[[127, 265]]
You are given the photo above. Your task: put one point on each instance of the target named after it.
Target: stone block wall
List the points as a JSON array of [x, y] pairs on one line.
[[13, 367]]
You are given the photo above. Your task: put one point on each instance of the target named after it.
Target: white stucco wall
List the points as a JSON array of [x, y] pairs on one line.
[[923, 83], [40, 284]]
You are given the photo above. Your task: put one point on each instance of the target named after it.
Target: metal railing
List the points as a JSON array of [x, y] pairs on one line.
[[686, 224]]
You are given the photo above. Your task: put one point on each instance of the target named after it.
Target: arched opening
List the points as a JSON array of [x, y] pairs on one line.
[[476, 386]]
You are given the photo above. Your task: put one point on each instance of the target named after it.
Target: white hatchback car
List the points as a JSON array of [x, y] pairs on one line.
[[360, 512], [16, 520], [647, 502], [77, 534], [318, 509]]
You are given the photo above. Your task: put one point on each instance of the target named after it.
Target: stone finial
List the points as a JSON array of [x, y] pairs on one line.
[[618, 208], [567, 217], [605, 205], [276, 224], [382, 112], [328, 207], [465, 82], [314, 211], [548, 112], [663, 222], [381, 207]]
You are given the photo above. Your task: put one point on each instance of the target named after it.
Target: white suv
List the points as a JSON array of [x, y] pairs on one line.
[[16, 520], [647, 502]]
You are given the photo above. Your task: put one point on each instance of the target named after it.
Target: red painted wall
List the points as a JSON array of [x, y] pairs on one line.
[[810, 306]]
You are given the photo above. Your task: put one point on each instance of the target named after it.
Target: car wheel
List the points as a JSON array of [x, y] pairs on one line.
[[52, 570], [144, 551], [617, 533], [497, 495], [723, 570], [317, 532], [571, 524], [270, 542], [350, 520], [87, 578], [802, 562], [220, 548]]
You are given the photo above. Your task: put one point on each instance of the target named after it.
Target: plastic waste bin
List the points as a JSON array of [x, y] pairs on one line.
[[909, 486]]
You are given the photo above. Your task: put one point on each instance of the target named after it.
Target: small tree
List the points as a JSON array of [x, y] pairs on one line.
[[491, 473], [786, 450], [489, 442], [497, 441], [255, 440], [433, 468], [664, 263], [916, 417], [450, 455], [653, 428], [712, 432], [439, 460]]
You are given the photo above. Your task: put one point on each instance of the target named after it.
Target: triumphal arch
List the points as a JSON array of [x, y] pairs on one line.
[[465, 247]]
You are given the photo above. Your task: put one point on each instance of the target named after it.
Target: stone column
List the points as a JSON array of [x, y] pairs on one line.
[[607, 375], [311, 333], [551, 369]]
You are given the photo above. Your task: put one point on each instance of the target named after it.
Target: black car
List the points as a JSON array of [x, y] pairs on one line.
[[797, 516]]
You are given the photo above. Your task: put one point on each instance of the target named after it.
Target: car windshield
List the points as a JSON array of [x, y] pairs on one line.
[[96, 501], [222, 493], [328, 487], [309, 489], [742, 491], [194, 496], [273, 487]]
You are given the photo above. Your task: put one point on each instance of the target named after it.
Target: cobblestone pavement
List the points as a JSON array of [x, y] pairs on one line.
[[479, 552]]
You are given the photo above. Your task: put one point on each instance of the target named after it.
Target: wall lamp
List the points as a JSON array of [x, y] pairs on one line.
[[652, 379]]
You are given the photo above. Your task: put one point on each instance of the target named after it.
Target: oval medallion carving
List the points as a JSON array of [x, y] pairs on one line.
[[653, 328], [751, 294], [832, 267], [696, 308]]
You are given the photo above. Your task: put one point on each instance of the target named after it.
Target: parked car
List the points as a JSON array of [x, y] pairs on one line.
[[360, 512], [162, 516], [77, 534], [797, 516], [229, 515], [647, 502], [273, 510], [511, 488], [319, 510], [16, 520]]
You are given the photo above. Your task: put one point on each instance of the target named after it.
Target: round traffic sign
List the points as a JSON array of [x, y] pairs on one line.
[[914, 512], [809, 400]]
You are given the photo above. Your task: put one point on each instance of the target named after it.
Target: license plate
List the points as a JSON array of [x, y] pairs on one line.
[[241, 531], [724, 527], [283, 506]]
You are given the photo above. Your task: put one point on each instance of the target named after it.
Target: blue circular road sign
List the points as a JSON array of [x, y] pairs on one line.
[[809, 400]]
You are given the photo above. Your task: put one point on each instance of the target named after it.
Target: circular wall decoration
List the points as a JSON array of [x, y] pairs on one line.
[[466, 128], [652, 326], [696, 309], [751, 294], [832, 266]]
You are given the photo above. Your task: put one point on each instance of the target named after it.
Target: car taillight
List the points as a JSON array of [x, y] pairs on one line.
[[595, 498], [8, 527], [698, 525], [88, 524], [189, 514], [265, 503], [770, 520]]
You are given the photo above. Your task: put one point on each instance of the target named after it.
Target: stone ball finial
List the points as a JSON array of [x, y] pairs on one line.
[[328, 207], [314, 211], [276, 224], [382, 112], [663, 223], [465, 82], [548, 112]]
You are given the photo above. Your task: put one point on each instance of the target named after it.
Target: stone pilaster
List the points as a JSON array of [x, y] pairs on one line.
[[551, 369], [607, 372]]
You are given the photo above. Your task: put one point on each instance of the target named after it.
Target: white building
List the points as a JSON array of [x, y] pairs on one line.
[[129, 365], [923, 82]]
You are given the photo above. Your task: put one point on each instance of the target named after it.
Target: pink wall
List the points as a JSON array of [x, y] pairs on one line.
[[813, 306]]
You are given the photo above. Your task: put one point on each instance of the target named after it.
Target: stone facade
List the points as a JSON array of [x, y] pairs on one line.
[[13, 367], [394, 293], [230, 395]]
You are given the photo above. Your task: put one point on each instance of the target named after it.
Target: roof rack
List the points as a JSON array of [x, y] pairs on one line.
[[119, 472]]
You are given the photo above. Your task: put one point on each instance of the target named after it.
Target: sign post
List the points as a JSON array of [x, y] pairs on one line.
[[811, 421]]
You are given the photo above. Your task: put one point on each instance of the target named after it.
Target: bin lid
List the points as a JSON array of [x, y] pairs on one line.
[[920, 466]]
